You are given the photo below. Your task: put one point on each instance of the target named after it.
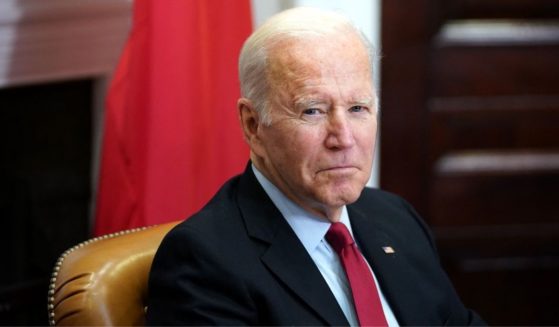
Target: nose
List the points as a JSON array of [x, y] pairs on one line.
[[340, 133]]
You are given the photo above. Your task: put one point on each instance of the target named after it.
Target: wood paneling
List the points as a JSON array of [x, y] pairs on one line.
[[470, 136]]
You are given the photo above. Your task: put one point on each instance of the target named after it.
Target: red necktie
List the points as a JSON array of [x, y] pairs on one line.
[[363, 288]]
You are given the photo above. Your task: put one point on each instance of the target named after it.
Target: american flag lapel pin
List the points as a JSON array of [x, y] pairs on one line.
[[388, 250]]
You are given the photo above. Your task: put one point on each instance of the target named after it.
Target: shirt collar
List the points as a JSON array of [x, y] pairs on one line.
[[309, 228]]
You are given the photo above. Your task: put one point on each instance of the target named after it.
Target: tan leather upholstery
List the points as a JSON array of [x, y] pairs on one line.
[[103, 281]]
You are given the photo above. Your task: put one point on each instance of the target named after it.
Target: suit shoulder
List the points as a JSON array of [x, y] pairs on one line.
[[392, 211], [376, 197], [219, 215]]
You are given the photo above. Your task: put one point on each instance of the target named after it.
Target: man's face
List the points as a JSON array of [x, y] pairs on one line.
[[319, 148]]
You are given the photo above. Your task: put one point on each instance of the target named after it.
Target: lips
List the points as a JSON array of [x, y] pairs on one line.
[[340, 169]]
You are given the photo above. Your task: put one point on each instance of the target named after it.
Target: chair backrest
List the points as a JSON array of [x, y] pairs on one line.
[[103, 281]]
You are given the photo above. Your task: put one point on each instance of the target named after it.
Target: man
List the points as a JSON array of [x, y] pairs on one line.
[[261, 252]]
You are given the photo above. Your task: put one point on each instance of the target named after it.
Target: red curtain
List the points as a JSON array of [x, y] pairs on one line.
[[171, 133]]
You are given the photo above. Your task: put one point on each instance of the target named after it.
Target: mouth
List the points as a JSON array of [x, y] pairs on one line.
[[339, 169]]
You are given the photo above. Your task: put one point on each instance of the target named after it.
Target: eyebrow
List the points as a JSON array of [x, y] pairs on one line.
[[363, 102], [308, 102]]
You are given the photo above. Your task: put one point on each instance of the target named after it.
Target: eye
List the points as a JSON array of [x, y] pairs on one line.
[[311, 111], [357, 109]]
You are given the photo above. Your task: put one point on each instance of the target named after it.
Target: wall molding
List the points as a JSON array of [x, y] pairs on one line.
[[42, 41]]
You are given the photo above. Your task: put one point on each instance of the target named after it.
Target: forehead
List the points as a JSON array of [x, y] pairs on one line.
[[312, 69], [308, 48]]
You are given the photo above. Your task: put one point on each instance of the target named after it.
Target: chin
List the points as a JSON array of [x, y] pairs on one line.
[[341, 197]]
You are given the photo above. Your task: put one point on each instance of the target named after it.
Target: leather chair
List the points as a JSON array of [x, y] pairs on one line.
[[103, 281]]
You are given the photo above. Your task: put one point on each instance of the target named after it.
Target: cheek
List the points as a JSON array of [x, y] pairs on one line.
[[309, 147], [301, 141], [367, 134], [371, 140], [284, 152], [300, 153], [296, 153]]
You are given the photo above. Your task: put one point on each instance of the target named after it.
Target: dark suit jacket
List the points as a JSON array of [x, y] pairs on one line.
[[238, 262]]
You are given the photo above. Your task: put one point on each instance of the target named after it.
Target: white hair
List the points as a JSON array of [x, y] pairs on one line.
[[298, 22]]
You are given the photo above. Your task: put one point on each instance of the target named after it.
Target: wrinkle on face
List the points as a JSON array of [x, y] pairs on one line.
[[321, 161]]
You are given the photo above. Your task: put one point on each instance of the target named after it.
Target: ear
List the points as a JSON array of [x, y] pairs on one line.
[[250, 121]]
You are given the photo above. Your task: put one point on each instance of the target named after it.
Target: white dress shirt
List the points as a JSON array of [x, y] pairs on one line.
[[311, 229]]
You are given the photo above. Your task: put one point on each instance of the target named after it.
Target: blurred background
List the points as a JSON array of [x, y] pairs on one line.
[[469, 135]]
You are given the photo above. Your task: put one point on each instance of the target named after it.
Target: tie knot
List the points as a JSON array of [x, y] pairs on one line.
[[339, 237]]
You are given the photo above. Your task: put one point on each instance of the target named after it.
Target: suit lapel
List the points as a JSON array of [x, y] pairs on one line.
[[289, 261], [390, 269], [285, 256]]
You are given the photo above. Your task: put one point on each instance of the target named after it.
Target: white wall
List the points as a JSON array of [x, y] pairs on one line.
[[364, 13]]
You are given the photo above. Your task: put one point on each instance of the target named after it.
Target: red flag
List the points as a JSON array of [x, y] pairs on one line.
[[171, 133]]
